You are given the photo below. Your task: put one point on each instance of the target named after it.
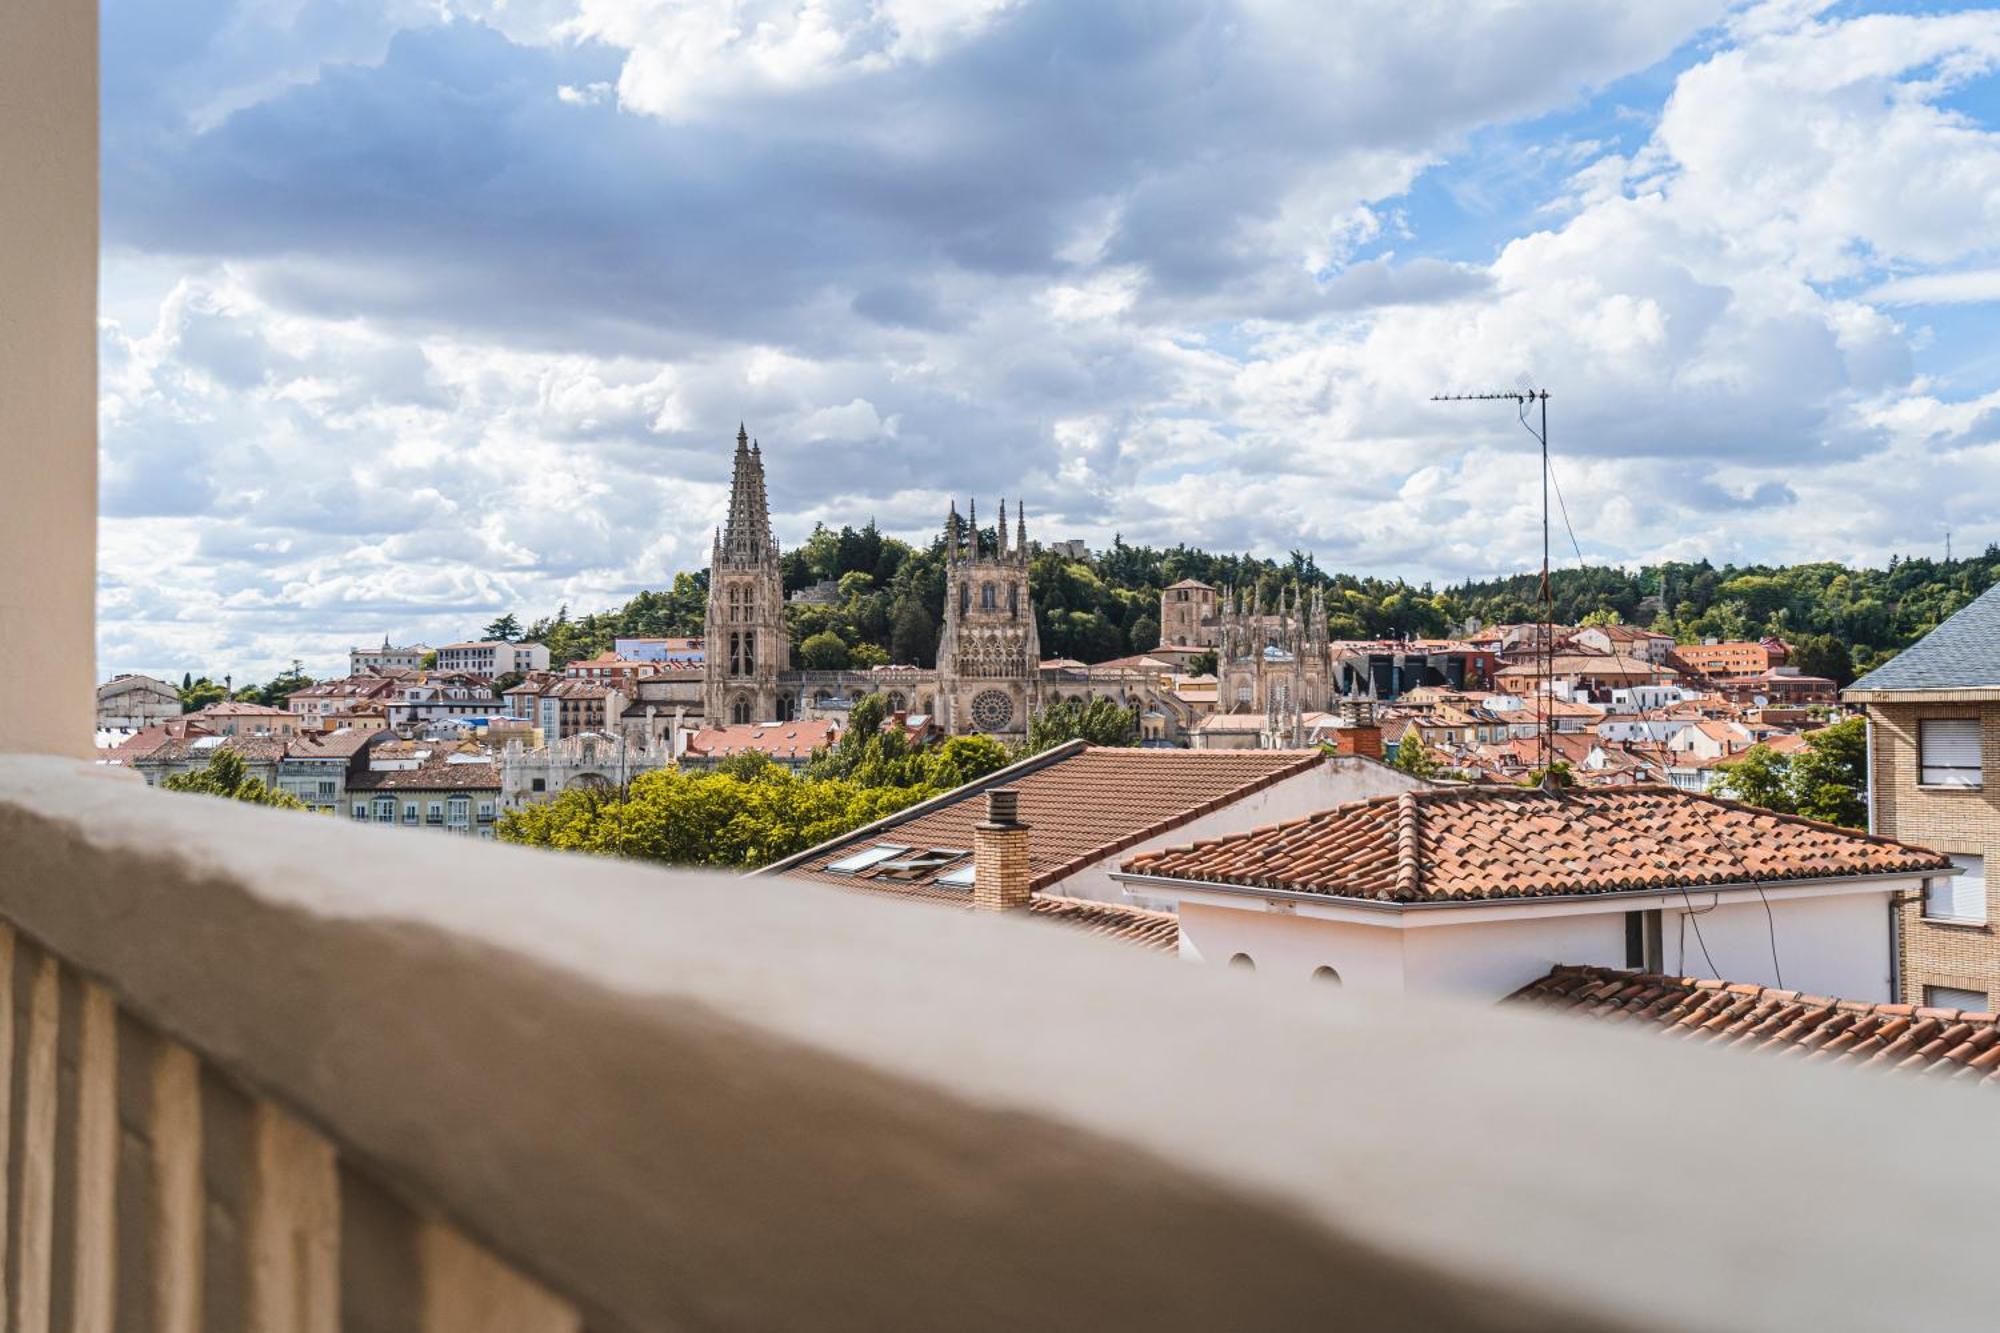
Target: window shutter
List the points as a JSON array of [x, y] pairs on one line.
[[1968, 889], [1948, 752]]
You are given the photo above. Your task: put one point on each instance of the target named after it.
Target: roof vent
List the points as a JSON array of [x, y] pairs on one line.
[[1003, 807]]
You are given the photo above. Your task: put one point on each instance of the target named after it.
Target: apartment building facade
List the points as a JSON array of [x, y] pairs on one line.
[[1934, 779]]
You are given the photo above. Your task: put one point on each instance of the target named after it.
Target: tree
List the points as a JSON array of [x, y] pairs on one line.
[[1557, 774], [1413, 756], [225, 777], [963, 759], [1144, 636], [428, 661], [824, 651], [1203, 664], [913, 634], [1099, 722], [200, 693], [864, 655], [1761, 777], [505, 627], [1829, 778], [1824, 655]]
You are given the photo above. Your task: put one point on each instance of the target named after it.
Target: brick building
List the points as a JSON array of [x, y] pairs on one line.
[[1933, 738]]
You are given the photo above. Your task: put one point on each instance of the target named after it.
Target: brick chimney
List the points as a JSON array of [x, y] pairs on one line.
[[1000, 875], [1357, 732]]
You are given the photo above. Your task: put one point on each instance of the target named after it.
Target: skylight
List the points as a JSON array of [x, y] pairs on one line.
[[847, 865], [960, 878]]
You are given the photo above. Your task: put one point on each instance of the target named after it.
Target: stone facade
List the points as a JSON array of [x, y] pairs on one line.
[[988, 653], [1957, 821], [1189, 615], [1276, 663]]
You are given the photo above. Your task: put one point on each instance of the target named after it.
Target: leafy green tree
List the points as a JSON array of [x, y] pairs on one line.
[[1413, 756], [1760, 777], [1145, 634], [864, 655], [200, 693], [963, 759], [504, 627], [824, 651], [226, 777], [1099, 722], [1829, 778], [1203, 664], [1824, 655], [1557, 774], [428, 661], [913, 635]]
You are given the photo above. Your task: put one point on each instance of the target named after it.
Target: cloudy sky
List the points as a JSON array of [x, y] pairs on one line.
[[419, 310]]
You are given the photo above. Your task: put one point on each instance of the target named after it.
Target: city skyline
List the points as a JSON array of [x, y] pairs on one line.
[[409, 318]]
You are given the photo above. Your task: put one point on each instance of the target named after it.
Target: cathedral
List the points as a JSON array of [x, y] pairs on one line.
[[988, 652]]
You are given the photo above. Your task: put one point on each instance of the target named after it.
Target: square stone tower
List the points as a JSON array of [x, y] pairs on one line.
[[989, 652]]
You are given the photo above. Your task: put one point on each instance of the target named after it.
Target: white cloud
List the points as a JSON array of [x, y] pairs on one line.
[[1962, 287]]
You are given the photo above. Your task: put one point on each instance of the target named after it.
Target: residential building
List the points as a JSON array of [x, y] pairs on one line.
[[1085, 808], [1731, 659], [230, 718], [1625, 641], [451, 791], [1476, 891], [1934, 778], [442, 696], [789, 744], [1783, 687], [363, 661], [259, 752], [567, 707], [1580, 675], [492, 658], [315, 766], [133, 703], [142, 743], [610, 669], [672, 652], [320, 703]]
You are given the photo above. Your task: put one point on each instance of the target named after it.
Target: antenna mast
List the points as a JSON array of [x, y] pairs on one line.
[[1525, 401]]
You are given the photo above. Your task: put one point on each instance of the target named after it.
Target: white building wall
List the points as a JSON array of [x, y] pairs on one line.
[[1827, 945]]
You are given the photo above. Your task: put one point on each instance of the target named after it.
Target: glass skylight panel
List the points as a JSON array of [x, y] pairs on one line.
[[961, 878], [848, 865]]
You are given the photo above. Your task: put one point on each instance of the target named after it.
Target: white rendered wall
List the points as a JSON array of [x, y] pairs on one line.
[[1827, 945], [1834, 945], [1324, 787]]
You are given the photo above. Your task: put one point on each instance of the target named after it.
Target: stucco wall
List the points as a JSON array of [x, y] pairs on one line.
[[1828, 945], [48, 373]]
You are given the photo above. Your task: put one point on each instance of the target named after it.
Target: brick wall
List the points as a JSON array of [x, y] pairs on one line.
[[1966, 957]]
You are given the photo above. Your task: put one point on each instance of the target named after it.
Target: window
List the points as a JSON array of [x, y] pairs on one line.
[[410, 813], [486, 810], [847, 865], [1950, 997], [361, 809], [918, 865], [540, 784], [434, 812], [1326, 974], [385, 809], [960, 878], [1960, 897], [461, 807], [1948, 752], [986, 602], [1244, 961]]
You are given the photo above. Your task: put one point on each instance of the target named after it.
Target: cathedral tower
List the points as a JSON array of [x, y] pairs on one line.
[[989, 653], [746, 645]]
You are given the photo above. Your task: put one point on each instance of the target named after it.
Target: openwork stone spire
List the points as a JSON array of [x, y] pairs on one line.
[[747, 538]]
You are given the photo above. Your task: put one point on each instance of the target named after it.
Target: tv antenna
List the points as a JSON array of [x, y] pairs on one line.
[[1526, 401]]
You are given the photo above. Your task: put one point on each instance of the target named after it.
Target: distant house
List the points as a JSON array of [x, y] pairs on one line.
[[492, 658], [409, 657], [1934, 777], [1476, 891], [788, 743], [1625, 641], [1719, 660], [133, 703], [230, 718], [444, 790]]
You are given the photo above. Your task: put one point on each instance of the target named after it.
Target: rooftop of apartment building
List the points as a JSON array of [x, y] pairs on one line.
[[1961, 654], [1469, 843]]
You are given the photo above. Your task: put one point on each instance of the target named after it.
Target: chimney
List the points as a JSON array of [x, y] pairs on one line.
[[1357, 732], [1000, 875]]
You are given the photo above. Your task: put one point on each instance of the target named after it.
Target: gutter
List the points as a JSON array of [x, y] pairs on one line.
[[1621, 895]]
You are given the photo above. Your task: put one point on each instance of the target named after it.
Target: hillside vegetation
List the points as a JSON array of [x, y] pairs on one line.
[[891, 597]]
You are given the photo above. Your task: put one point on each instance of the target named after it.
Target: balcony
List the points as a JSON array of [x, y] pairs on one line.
[[279, 1074]]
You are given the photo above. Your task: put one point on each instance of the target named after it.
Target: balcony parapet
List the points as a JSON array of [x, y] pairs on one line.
[[373, 1080]]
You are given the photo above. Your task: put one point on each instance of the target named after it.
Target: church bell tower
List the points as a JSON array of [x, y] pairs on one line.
[[746, 646]]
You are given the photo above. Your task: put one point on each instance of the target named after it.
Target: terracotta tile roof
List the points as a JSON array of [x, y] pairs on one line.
[[430, 777], [1478, 842], [1081, 803], [1948, 1043], [779, 740], [1159, 931]]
